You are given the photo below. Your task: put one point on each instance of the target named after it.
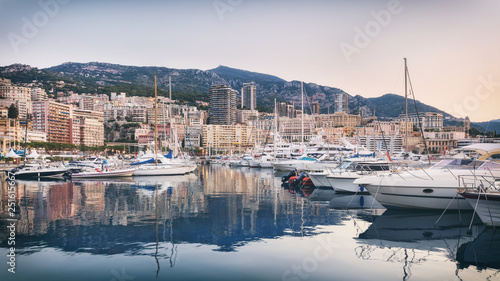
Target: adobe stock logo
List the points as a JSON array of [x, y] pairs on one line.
[[30, 27], [485, 88], [322, 252], [224, 6], [372, 29]]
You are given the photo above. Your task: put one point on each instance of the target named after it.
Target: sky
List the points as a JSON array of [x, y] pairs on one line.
[[452, 46]]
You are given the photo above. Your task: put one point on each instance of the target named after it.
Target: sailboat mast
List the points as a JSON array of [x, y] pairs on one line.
[[406, 107], [302, 121], [26, 137], [275, 128], [170, 107], [156, 123]]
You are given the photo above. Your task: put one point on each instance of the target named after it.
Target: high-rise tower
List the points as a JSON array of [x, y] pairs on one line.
[[249, 96], [222, 105]]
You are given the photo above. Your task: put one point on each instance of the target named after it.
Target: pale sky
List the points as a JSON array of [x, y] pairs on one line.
[[452, 47]]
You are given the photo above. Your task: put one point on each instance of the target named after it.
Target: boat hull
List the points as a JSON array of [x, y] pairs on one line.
[[414, 197], [290, 166], [319, 179], [58, 174], [110, 174], [266, 164], [163, 171], [345, 183], [254, 163], [487, 206]]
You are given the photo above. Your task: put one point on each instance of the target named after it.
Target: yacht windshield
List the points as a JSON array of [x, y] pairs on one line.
[[345, 165], [465, 164]]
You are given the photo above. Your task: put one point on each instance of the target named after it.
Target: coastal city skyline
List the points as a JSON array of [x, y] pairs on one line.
[[356, 46]]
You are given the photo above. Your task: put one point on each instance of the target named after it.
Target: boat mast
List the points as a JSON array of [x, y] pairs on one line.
[[302, 121], [156, 123], [170, 109], [26, 137], [275, 129], [164, 123], [406, 107]]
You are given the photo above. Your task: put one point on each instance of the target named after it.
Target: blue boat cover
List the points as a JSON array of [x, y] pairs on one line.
[[169, 155], [152, 160]]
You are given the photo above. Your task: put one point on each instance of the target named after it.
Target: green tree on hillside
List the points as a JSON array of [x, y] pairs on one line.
[[13, 111]]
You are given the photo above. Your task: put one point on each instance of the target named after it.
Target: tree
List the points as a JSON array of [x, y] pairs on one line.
[[13, 111], [473, 132]]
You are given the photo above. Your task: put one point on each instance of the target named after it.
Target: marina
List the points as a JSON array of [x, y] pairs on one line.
[[249, 140], [224, 223]]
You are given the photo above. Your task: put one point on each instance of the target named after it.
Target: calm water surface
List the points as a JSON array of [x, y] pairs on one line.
[[224, 223]]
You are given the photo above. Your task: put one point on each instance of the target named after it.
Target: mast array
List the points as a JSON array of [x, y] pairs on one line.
[[156, 123]]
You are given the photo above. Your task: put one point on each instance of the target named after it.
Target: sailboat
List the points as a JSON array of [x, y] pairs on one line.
[[39, 170], [434, 187], [162, 169]]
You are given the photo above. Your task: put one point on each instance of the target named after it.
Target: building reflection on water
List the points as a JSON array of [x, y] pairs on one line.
[[217, 206]]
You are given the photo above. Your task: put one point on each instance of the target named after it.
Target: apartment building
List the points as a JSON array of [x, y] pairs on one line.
[[245, 115], [222, 109], [91, 126], [227, 137], [75, 128], [337, 119], [38, 94], [249, 96], [391, 143], [20, 96], [53, 118], [290, 129], [341, 102], [315, 108], [91, 132], [429, 120]]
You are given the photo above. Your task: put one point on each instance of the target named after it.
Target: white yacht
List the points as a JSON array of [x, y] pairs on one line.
[[342, 179], [432, 188], [483, 194], [39, 171], [265, 161], [245, 162]]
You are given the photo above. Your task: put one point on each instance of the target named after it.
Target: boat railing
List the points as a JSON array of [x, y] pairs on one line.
[[478, 183]]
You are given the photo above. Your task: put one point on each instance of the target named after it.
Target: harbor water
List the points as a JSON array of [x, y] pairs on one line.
[[223, 223]]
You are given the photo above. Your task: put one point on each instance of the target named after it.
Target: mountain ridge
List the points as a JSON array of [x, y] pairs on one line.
[[193, 84]]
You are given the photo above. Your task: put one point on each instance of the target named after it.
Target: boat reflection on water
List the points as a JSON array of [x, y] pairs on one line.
[[416, 237], [411, 226], [483, 252], [354, 201], [344, 200], [213, 224], [216, 206], [322, 194]]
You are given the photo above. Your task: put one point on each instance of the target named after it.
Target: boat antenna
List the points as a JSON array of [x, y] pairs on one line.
[[156, 122]]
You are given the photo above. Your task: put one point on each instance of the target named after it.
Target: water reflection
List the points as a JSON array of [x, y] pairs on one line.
[[482, 252], [411, 238], [218, 206], [213, 224]]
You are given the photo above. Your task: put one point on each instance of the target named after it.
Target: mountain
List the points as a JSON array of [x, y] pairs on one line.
[[189, 85], [238, 74], [492, 125], [391, 105]]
